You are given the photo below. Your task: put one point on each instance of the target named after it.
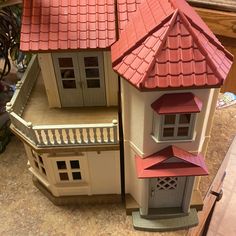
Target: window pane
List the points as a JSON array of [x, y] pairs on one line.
[[67, 73], [183, 131], [90, 61], [61, 165], [74, 164], [76, 175], [93, 83], [65, 62], [92, 73], [68, 84], [40, 159], [184, 118], [36, 164], [63, 176], [44, 171], [169, 119], [168, 132]]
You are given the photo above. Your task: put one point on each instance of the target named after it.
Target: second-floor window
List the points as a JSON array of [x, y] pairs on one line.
[[174, 116], [174, 126], [80, 78]]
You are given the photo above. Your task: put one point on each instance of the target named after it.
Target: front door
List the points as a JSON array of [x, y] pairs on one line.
[[80, 78], [166, 192]]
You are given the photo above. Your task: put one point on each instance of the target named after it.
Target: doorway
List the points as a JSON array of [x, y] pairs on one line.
[[167, 192], [80, 78]]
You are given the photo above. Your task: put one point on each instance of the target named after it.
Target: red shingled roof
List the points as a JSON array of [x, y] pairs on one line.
[[165, 44], [54, 24], [156, 165], [125, 10]]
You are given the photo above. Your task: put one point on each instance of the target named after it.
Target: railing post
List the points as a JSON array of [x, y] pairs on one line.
[[31, 133], [9, 107], [115, 123]]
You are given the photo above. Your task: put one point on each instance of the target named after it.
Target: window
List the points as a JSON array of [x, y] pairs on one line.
[[173, 126], [92, 73], [69, 170], [38, 162]]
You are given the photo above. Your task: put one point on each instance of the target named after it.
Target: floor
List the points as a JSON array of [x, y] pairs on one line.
[[38, 112], [224, 216]]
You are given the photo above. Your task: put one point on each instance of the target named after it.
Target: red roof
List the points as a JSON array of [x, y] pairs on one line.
[[125, 10], [176, 103], [159, 165], [165, 44], [54, 24]]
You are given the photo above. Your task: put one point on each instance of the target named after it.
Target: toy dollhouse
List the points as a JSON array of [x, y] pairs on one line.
[[118, 102]]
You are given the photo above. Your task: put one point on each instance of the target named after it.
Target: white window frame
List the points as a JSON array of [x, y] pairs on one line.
[[158, 127]]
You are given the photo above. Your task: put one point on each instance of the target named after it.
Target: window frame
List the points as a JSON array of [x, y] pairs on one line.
[[158, 127]]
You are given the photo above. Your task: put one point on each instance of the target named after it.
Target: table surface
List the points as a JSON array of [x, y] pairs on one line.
[[223, 5]]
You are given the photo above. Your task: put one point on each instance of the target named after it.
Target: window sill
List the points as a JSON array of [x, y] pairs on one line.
[[175, 140]]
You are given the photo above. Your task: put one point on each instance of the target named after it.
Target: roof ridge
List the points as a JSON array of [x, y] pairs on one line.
[[172, 21], [131, 48], [200, 47]]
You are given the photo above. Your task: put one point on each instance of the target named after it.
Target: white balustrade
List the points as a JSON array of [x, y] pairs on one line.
[[61, 135]]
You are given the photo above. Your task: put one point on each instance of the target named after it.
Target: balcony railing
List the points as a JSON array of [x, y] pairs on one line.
[[54, 135]]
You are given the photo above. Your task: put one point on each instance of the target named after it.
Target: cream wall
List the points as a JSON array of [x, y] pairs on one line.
[[100, 172], [138, 120], [111, 80], [50, 81], [49, 78], [104, 171]]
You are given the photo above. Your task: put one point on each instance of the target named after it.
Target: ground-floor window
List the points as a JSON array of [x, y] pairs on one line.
[[38, 162], [68, 170]]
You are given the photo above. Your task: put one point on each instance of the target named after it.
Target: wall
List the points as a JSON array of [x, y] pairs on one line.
[[104, 172], [100, 172], [48, 74], [138, 120], [50, 82], [111, 80]]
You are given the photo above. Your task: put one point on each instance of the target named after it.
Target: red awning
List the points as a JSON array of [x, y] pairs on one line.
[[177, 103], [156, 165]]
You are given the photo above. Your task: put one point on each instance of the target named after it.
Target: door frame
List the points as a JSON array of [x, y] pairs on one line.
[[144, 204]]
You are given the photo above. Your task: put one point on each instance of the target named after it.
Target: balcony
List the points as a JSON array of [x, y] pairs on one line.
[[46, 127]]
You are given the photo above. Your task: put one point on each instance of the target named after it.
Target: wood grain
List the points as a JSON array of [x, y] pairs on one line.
[[221, 23]]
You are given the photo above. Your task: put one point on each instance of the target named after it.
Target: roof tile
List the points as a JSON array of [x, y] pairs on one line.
[[184, 54], [60, 18]]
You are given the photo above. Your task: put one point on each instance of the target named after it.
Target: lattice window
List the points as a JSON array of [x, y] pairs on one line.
[[69, 170], [166, 183], [38, 162]]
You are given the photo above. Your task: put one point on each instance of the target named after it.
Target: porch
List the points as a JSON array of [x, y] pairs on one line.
[[57, 127]]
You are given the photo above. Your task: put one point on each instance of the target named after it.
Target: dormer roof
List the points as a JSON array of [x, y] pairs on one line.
[[172, 162]]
